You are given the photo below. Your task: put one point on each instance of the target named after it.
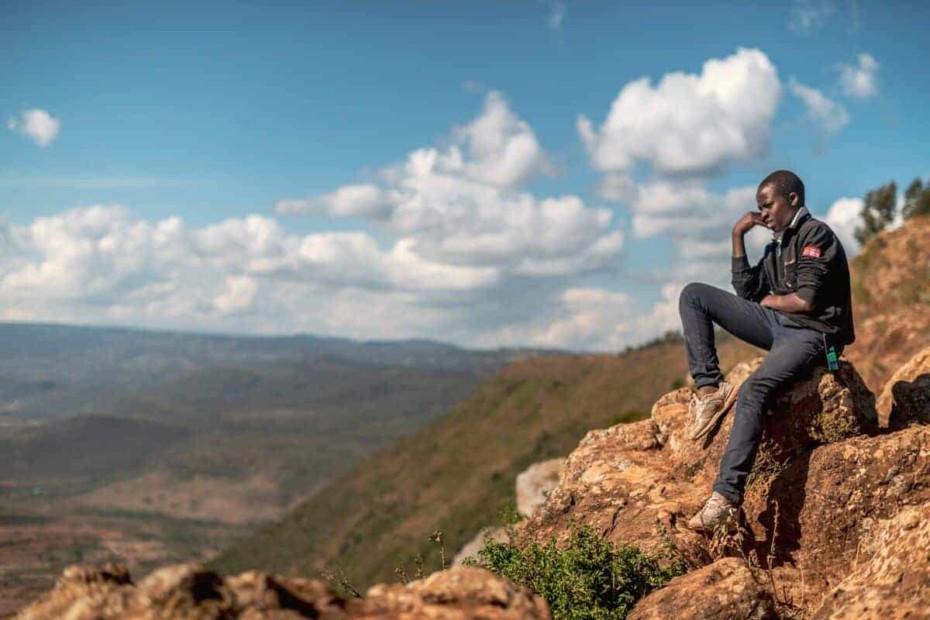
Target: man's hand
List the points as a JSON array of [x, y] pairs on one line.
[[747, 222]]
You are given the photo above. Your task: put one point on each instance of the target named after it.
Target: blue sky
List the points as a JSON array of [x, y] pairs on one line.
[[179, 165]]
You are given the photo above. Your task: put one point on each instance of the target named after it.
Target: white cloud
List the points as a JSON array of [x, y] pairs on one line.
[[808, 16], [461, 205], [556, 17], [859, 81], [502, 148], [37, 125], [364, 200], [828, 114], [844, 216], [688, 123]]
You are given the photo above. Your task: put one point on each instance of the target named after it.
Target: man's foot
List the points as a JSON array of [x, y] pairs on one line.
[[706, 410], [718, 513]]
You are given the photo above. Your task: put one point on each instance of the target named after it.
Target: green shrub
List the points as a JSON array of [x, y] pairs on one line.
[[587, 579]]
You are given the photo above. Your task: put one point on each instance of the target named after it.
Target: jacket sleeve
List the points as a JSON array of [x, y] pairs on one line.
[[749, 282], [816, 252]]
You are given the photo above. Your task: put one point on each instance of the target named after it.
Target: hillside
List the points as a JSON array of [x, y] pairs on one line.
[[891, 300], [457, 473]]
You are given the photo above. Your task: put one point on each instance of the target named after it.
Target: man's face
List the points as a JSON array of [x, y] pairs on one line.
[[776, 210]]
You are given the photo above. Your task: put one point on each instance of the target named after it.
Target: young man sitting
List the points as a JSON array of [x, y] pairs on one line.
[[794, 303]]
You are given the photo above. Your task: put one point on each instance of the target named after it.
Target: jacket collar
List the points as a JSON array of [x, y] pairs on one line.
[[801, 215]]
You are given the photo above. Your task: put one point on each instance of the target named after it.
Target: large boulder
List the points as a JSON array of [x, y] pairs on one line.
[[894, 580], [725, 590], [905, 399]]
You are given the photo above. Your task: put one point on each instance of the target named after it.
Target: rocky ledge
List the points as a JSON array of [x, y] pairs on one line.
[[828, 512], [192, 592]]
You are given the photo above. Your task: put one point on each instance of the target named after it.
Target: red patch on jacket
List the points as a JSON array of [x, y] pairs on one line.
[[811, 251]]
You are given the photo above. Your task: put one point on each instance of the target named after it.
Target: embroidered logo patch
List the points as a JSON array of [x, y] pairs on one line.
[[811, 251]]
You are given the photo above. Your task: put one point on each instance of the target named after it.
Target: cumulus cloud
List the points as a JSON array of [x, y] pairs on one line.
[[37, 125], [844, 216], [826, 113], [860, 80], [688, 123], [105, 263], [461, 205], [807, 16]]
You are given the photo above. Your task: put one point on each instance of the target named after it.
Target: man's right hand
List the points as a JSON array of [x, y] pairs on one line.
[[746, 223]]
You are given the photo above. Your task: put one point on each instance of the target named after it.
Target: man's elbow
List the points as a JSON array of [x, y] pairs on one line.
[[804, 302]]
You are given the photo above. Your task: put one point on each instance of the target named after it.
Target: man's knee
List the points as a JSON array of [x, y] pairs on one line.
[[691, 294]]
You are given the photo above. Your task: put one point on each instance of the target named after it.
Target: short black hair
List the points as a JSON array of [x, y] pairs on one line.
[[785, 182]]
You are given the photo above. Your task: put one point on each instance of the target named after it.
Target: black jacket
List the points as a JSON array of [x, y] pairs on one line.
[[810, 261]]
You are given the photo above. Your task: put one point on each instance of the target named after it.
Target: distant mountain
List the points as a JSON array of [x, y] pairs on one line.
[[52, 371]]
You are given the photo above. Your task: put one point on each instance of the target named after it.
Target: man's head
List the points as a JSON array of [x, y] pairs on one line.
[[779, 197]]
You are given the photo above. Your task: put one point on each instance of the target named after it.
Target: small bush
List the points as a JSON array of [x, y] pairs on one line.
[[588, 578]]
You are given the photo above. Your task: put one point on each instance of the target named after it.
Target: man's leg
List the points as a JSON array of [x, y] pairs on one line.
[[702, 305], [794, 352]]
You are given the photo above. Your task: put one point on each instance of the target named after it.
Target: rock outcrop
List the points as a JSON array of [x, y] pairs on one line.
[[192, 592], [824, 478]]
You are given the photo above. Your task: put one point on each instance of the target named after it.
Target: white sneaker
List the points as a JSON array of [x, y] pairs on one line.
[[707, 410]]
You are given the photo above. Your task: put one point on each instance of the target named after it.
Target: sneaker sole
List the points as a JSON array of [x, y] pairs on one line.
[[727, 403]]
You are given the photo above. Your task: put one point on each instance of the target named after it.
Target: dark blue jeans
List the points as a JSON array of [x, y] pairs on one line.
[[793, 350]]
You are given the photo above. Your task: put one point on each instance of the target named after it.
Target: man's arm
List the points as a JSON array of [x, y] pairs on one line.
[[748, 282], [792, 302]]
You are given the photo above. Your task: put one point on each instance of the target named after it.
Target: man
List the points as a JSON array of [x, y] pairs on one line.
[[795, 303]]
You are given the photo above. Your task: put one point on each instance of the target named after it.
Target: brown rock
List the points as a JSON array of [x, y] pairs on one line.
[[894, 582], [829, 503], [188, 589], [257, 593], [454, 594], [84, 593], [905, 399], [727, 589], [191, 592]]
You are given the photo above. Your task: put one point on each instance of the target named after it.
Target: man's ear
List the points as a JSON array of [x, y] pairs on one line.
[[793, 199]]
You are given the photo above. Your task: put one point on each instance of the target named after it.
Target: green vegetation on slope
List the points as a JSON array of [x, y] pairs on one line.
[[587, 578], [458, 472]]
